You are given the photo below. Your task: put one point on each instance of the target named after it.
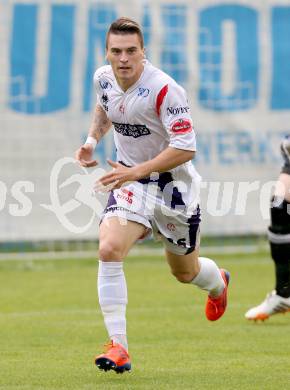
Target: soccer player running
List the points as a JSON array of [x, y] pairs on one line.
[[278, 301], [154, 185]]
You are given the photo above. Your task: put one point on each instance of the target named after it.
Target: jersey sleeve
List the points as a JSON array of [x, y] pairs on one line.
[[174, 112], [102, 82], [97, 86]]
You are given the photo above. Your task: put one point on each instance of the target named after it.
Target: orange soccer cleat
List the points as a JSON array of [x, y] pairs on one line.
[[215, 307], [115, 357]]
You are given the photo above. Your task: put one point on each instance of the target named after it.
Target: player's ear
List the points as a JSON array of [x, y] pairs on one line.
[[144, 52]]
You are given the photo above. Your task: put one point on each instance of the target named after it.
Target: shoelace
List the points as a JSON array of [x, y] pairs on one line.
[[107, 346]]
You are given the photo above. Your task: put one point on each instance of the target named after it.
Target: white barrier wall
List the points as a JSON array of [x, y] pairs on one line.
[[233, 58]]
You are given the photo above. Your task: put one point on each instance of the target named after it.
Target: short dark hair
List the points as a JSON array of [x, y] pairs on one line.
[[125, 25]]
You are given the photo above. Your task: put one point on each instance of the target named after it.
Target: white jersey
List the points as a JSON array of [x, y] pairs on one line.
[[150, 116]]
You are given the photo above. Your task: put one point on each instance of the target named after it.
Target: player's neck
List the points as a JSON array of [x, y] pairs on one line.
[[125, 84]]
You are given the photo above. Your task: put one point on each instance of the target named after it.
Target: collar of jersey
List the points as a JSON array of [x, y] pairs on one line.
[[135, 85]]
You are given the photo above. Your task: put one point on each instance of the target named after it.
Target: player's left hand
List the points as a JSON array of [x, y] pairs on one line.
[[116, 177]]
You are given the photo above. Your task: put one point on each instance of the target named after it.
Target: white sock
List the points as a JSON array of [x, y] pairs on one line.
[[112, 290], [209, 277]]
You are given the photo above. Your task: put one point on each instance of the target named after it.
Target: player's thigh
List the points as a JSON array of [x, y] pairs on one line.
[[184, 267], [117, 235]]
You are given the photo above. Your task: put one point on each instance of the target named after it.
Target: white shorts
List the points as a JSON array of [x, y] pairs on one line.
[[161, 211]]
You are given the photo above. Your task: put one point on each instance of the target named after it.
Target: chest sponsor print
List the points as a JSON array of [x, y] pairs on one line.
[[128, 130]]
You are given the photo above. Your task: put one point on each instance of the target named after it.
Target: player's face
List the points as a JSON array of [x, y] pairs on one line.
[[125, 54]]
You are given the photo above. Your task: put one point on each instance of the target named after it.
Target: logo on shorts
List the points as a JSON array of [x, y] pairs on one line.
[[181, 126], [171, 227], [126, 195]]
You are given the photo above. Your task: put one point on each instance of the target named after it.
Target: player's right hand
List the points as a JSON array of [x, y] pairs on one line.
[[84, 155]]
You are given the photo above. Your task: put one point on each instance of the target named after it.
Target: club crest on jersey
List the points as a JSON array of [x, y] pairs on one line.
[[181, 126], [126, 195], [105, 84], [144, 92], [122, 109]]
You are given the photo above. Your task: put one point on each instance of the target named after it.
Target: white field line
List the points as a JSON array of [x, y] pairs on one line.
[[95, 312], [47, 313], [228, 249]]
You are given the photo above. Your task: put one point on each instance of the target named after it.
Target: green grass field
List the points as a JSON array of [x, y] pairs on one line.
[[51, 328]]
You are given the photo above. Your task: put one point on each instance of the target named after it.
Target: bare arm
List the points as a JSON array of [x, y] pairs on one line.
[[100, 124], [166, 160], [99, 127]]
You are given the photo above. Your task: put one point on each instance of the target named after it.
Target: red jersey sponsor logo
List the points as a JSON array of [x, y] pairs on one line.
[[181, 126], [126, 195]]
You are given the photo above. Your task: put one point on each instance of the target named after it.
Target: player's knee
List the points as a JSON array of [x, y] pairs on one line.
[[279, 230], [110, 250], [184, 277]]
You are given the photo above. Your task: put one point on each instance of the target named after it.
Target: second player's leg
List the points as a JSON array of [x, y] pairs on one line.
[[278, 301]]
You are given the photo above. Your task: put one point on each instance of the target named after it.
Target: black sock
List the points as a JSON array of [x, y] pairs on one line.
[[282, 269]]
